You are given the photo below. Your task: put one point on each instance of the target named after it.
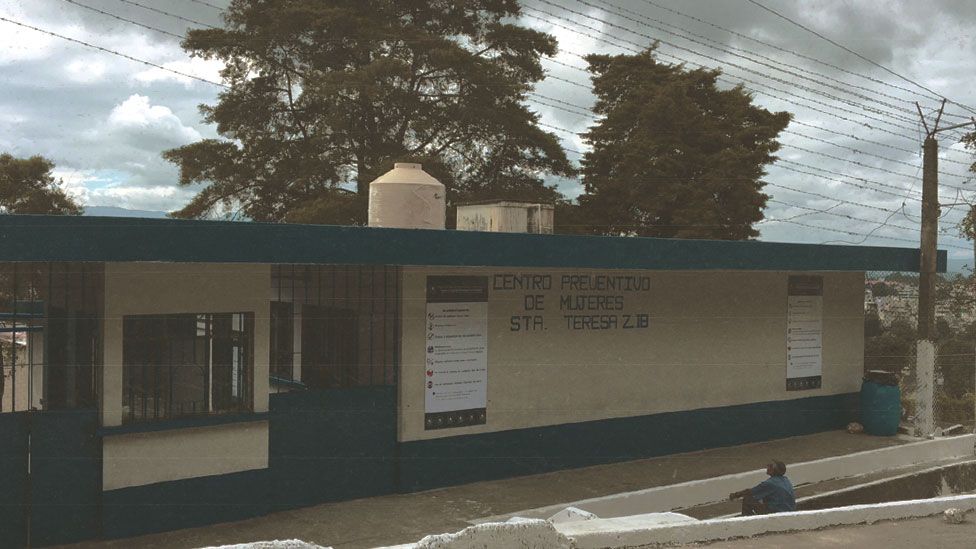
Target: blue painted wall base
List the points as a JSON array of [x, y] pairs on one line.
[[185, 503], [458, 460], [322, 451], [14, 487]]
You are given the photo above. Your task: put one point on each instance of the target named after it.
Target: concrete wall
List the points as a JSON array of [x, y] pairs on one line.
[[713, 339], [170, 288], [144, 458]]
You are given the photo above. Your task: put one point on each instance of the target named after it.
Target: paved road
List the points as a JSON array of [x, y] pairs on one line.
[[924, 533]]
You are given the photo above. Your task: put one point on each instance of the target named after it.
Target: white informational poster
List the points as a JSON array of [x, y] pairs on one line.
[[456, 337], [804, 333]]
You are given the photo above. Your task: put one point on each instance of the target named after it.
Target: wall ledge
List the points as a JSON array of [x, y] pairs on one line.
[[189, 422]]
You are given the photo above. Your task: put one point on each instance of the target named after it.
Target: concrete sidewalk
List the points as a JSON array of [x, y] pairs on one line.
[[404, 518]]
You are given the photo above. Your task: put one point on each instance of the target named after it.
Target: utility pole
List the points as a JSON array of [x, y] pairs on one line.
[[925, 345]]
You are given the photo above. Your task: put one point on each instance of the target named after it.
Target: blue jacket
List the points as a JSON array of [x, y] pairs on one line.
[[776, 493]]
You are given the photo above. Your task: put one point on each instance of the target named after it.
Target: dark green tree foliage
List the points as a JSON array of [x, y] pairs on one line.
[[890, 348], [880, 289], [325, 96], [27, 187], [673, 155]]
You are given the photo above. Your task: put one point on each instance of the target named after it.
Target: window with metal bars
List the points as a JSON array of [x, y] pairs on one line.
[[186, 364], [334, 326], [50, 335]]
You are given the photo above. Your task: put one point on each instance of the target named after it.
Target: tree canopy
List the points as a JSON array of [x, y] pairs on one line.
[[28, 187], [673, 155], [323, 97]]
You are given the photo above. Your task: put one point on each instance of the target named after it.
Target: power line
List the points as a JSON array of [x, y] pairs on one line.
[[857, 151], [582, 111], [865, 184], [113, 52], [857, 185], [208, 4], [863, 165], [544, 100], [123, 19], [843, 201], [549, 20], [864, 181], [831, 198], [178, 72], [877, 143], [717, 60], [787, 50], [858, 55], [794, 121], [852, 233], [845, 216], [752, 56], [567, 81], [833, 157], [168, 14]]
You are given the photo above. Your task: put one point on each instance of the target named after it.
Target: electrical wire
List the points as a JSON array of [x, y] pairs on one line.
[[791, 52], [113, 52], [787, 98], [208, 4], [759, 73], [801, 123], [858, 55], [580, 110], [568, 104], [123, 19], [754, 57], [168, 14]]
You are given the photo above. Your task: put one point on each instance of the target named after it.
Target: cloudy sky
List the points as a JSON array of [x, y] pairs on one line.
[[849, 171]]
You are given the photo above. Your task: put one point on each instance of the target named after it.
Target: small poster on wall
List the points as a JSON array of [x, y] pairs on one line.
[[456, 339], [804, 333]]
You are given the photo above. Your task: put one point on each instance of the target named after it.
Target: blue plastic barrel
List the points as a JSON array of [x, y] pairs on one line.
[[880, 408]]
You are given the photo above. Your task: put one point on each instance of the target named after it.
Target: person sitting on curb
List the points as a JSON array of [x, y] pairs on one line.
[[773, 495]]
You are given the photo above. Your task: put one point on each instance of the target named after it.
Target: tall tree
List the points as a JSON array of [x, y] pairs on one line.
[[324, 96], [28, 187], [673, 155]]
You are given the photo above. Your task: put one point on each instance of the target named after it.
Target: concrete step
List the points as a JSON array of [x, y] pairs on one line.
[[902, 483]]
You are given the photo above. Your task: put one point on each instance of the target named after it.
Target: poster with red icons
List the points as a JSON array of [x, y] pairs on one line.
[[804, 333], [456, 343]]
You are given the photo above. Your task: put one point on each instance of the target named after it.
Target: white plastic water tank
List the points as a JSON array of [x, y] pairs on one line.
[[407, 197]]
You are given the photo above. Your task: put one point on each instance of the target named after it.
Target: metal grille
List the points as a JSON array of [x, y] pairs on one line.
[[334, 326], [49, 335]]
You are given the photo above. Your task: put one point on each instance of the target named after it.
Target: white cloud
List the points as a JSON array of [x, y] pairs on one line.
[[19, 43], [98, 188], [140, 198], [75, 183], [86, 70], [137, 114]]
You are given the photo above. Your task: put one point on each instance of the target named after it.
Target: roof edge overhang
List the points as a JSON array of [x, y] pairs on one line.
[[117, 239]]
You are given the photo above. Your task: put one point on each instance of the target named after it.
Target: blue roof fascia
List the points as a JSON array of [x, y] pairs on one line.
[[110, 239]]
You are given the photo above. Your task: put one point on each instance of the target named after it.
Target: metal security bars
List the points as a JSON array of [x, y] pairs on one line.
[[186, 364], [334, 326], [50, 341]]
